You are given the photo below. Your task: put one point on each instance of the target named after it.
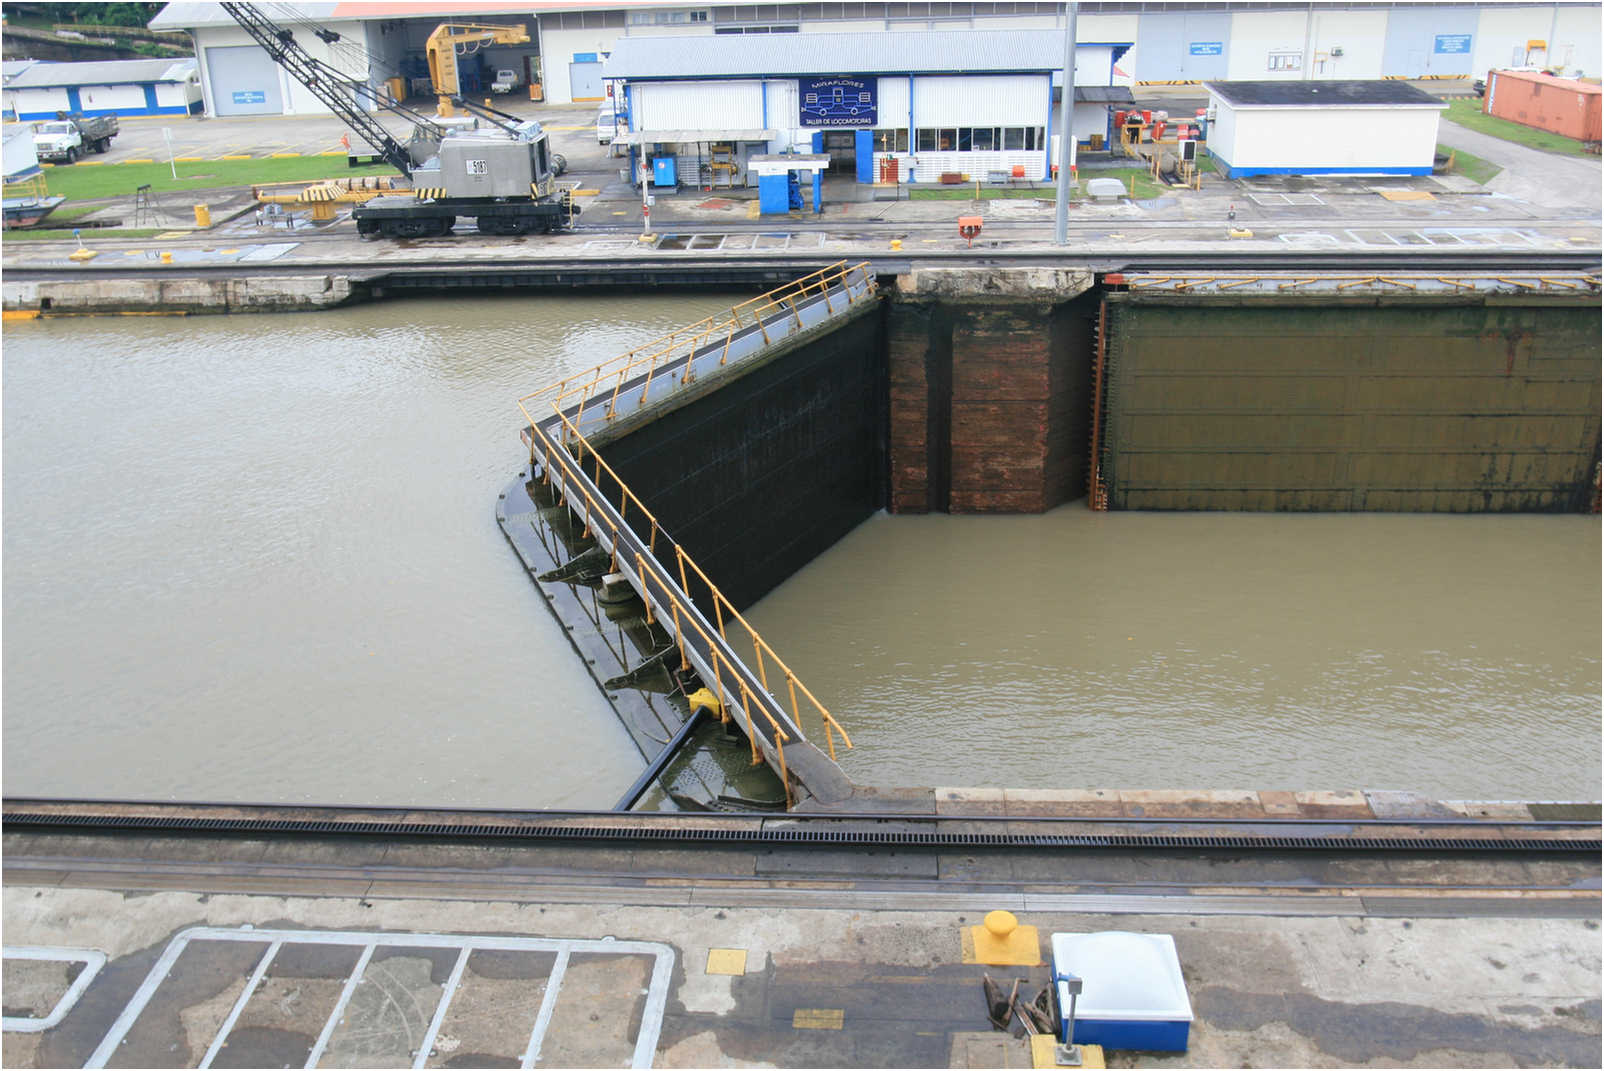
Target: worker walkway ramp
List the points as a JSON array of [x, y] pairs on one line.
[[733, 673], [649, 377]]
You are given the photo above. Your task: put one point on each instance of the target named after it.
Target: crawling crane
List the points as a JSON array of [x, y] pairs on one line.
[[500, 172]]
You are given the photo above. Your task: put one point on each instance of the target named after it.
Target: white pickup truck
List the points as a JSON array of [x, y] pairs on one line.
[[66, 139], [506, 81]]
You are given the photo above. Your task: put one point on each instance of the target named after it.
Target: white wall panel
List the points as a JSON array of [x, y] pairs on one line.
[[1500, 30], [1360, 35], [1255, 36], [930, 166], [40, 101], [980, 100], [697, 105], [177, 94], [100, 98], [1576, 40], [893, 97], [557, 48], [1379, 137]]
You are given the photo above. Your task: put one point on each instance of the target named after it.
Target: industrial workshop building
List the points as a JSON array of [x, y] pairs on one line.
[[1322, 128], [1166, 41], [884, 107]]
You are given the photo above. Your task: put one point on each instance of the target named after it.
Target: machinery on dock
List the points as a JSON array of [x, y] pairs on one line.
[[444, 70], [492, 167]]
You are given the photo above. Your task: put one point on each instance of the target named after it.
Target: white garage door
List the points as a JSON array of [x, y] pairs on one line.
[[245, 81]]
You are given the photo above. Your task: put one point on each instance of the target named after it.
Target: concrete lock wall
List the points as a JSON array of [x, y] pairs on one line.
[[758, 477], [1425, 407], [989, 391]]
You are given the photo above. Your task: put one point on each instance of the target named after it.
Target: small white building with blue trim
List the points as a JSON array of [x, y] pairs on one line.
[[1378, 127], [885, 107], [112, 87]]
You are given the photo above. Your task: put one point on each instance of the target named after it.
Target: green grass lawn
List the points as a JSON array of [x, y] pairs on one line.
[[78, 182], [98, 232], [1470, 165], [1043, 191], [1467, 113]]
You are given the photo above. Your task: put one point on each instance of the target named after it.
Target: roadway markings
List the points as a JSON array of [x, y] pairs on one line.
[[276, 941], [818, 1018], [726, 961], [92, 959], [1277, 200]]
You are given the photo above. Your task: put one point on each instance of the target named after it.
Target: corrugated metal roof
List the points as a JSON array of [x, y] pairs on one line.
[[1330, 94], [186, 16], [103, 73], [748, 55]]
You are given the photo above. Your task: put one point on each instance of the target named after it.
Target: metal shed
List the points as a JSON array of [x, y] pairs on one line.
[[111, 87], [1379, 127]]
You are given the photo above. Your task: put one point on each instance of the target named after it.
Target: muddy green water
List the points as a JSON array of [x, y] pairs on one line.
[[1452, 655], [255, 558]]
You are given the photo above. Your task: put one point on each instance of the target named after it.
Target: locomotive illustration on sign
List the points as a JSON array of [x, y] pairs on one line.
[[838, 101]]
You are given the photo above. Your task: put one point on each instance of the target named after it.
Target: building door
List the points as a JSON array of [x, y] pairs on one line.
[[842, 145], [585, 80], [245, 81]]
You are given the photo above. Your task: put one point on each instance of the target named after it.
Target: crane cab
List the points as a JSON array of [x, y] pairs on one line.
[[491, 165]]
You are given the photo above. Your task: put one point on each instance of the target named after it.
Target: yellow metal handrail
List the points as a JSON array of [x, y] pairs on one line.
[[609, 378], [587, 474], [583, 461]]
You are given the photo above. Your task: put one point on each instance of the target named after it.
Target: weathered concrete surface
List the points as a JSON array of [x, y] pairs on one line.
[[1049, 286], [988, 375], [1266, 991], [175, 294]]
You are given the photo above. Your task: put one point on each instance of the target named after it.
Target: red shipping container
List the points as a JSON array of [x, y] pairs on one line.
[[1559, 105]]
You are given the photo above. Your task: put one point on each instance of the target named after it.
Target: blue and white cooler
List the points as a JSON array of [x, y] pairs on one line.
[[1132, 994]]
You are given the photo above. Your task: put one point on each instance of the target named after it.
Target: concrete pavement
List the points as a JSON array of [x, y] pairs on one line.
[[1531, 175]]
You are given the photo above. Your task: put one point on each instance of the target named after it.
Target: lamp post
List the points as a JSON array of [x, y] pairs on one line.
[[1066, 132]]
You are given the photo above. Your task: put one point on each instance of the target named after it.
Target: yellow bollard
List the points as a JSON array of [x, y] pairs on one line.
[[203, 216], [896, 244], [1001, 941], [167, 258]]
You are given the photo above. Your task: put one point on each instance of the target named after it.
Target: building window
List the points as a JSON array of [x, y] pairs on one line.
[[1286, 61], [666, 18], [977, 138], [891, 140], [755, 29]]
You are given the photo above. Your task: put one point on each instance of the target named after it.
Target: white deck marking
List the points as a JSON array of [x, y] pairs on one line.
[[351, 982], [92, 959], [239, 1005], [440, 1009], [645, 1043], [548, 1001]]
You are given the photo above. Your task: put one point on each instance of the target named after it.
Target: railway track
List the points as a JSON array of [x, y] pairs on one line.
[[1445, 867], [757, 267]]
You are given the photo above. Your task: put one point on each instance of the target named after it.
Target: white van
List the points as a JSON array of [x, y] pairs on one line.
[[609, 122]]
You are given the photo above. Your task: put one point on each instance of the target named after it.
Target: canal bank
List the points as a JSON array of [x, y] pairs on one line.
[[952, 685], [735, 941]]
